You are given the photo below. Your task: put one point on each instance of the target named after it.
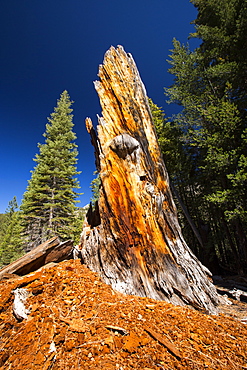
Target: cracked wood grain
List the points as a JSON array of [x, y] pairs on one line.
[[136, 245]]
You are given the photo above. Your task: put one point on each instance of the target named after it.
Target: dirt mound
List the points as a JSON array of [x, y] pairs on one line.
[[75, 321]]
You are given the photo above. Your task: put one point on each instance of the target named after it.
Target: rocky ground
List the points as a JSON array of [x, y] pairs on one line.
[[75, 321]]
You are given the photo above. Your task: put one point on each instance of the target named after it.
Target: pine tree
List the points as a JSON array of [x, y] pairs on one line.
[[222, 27], [170, 138], [210, 85], [95, 187], [178, 160], [49, 202], [11, 243], [224, 57], [77, 225]]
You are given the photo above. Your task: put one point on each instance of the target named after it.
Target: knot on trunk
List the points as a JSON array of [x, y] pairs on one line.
[[124, 145]]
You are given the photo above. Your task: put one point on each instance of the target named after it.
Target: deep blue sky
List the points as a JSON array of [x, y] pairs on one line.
[[51, 45]]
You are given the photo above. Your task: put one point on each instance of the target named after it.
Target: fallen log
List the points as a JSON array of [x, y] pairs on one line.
[[136, 245], [52, 250]]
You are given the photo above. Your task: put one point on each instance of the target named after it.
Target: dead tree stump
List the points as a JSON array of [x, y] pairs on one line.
[[134, 240]]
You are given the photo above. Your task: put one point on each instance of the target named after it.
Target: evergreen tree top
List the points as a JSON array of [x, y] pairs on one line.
[[49, 203], [12, 206]]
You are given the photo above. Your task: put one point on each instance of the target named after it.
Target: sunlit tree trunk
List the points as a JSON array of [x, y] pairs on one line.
[[133, 239]]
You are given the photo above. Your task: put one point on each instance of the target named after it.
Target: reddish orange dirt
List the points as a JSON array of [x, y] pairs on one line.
[[78, 322]]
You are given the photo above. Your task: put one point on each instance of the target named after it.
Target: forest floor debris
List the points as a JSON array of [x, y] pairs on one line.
[[78, 322]]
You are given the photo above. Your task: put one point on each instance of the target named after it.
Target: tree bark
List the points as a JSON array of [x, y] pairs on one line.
[[137, 245]]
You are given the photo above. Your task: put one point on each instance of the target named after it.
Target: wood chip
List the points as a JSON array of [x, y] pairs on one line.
[[118, 329], [170, 346], [19, 309], [74, 324]]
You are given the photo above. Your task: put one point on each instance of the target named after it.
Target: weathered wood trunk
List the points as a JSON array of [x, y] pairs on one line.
[[52, 250], [134, 240]]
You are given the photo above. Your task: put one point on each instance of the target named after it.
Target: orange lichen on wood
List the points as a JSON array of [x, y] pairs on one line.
[[136, 244]]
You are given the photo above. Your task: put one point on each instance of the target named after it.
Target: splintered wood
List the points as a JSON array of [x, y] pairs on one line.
[[76, 321], [133, 239]]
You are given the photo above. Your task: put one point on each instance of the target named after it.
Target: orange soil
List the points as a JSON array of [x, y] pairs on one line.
[[78, 322]]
